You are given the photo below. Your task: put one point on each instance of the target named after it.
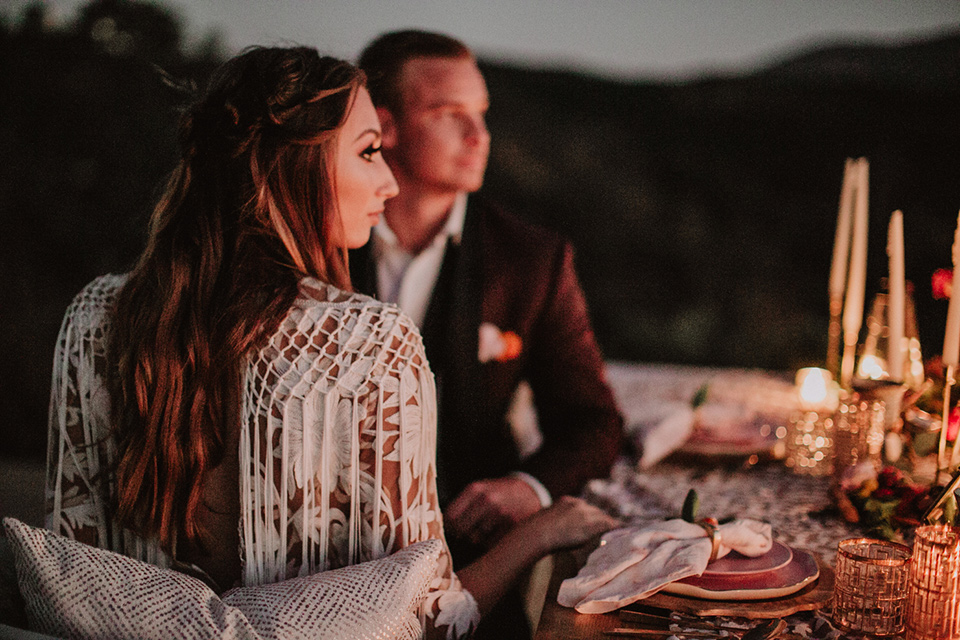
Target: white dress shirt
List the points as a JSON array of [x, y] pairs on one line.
[[408, 281]]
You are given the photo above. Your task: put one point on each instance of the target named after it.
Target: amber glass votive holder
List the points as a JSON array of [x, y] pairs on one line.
[[870, 591], [933, 598], [809, 443], [859, 430]]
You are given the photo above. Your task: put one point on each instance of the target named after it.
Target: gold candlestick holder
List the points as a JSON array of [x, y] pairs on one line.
[[943, 464], [834, 334], [847, 361]]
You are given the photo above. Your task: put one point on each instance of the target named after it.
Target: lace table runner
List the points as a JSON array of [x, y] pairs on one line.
[[799, 507]]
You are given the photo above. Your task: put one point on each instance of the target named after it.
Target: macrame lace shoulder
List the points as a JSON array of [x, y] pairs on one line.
[[337, 443], [80, 452]]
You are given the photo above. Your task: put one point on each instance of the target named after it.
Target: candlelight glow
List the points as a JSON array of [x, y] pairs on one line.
[[813, 385], [872, 368]]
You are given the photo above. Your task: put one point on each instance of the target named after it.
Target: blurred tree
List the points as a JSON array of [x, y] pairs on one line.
[[132, 29], [702, 212], [87, 134]]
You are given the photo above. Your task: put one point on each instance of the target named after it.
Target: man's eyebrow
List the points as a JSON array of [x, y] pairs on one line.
[[440, 104]]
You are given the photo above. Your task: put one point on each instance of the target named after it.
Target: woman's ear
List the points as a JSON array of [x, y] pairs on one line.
[[388, 128]]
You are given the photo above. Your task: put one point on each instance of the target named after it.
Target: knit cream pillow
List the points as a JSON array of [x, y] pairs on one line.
[[78, 591]]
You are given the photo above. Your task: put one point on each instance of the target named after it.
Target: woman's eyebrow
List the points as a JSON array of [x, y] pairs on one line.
[[375, 132]]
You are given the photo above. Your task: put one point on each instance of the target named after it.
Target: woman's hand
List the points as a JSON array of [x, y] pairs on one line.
[[570, 522]]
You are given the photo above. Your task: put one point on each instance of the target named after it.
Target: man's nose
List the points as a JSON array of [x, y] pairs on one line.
[[476, 131]]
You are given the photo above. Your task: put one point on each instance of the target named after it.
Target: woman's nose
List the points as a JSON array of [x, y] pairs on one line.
[[388, 185]]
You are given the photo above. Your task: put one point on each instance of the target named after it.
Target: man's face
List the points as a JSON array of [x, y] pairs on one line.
[[439, 137]]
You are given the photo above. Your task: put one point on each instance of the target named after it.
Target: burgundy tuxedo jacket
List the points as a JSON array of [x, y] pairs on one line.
[[520, 278]]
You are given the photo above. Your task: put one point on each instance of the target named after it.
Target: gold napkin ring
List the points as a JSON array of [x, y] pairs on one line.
[[714, 536]]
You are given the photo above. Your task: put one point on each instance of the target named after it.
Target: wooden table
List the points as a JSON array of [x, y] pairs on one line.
[[562, 623], [558, 622], [794, 505]]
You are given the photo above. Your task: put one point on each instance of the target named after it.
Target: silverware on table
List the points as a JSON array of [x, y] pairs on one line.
[[689, 622], [662, 633], [766, 630], [690, 627]]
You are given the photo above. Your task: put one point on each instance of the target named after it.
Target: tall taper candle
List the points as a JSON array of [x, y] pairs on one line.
[[951, 339], [951, 356], [856, 282], [897, 284], [838, 267], [841, 241]]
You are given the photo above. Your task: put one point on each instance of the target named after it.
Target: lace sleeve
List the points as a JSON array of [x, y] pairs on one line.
[[80, 452], [339, 449], [449, 609], [76, 449]]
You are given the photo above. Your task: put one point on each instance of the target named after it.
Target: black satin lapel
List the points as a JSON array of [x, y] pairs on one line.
[[467, 305], [460, 440], [436, 320]]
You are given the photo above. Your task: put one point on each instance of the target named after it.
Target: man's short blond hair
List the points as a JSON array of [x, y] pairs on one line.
[[384, 58]]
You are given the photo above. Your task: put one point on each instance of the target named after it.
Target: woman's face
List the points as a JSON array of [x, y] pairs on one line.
[[363, 181]]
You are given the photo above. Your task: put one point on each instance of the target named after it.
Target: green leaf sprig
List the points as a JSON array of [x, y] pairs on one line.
[[700, 397], [691, 504]]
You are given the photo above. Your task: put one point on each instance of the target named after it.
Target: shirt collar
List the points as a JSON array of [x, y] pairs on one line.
[[453, 229]]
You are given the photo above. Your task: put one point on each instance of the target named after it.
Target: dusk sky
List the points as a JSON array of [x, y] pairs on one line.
[[626, 38]]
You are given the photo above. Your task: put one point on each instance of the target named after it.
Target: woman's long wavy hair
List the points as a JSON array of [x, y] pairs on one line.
[[249, 210]]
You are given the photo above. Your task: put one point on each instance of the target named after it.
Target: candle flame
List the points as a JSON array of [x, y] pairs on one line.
[[813, 385], [872, 368]]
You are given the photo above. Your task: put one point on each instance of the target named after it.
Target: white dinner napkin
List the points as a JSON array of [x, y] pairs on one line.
[[633, 562], [667, 427]]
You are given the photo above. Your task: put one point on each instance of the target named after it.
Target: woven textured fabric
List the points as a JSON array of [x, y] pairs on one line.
[[75, 590], [375, 599], [337, 444]]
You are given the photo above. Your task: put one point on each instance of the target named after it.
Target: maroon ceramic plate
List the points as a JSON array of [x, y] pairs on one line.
[[735, 564], [795, 575]]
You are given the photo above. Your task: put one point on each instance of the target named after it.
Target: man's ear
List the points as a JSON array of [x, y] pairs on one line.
[[388, 128]]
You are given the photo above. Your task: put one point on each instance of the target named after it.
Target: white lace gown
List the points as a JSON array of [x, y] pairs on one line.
[[337, 445]]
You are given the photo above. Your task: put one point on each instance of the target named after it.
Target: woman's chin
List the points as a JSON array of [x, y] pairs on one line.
[[358, 240]]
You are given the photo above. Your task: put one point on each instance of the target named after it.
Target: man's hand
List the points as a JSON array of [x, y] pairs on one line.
[[487, 509]]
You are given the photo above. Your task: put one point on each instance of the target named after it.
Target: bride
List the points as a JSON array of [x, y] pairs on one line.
[[230, 407]]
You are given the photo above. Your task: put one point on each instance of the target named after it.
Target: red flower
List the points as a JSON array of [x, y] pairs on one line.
[[883, 493], [942, 283], [912, 501], [953, 424], [933, 367], [890, 477]]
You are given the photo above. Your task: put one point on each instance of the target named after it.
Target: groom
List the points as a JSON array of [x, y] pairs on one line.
[[497, 300]]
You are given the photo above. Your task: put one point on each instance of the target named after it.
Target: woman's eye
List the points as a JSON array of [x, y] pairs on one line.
[[368, 153]]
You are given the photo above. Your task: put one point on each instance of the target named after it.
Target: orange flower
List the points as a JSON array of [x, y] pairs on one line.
[[512, 346], [501, 346]]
